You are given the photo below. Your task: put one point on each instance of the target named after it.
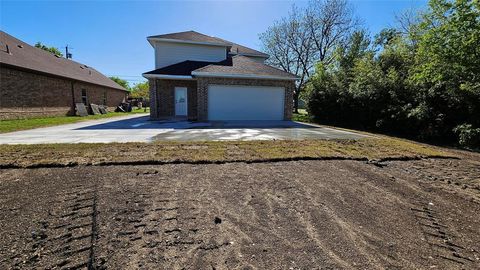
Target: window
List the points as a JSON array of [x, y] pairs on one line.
[[84, 97], [105, 97]]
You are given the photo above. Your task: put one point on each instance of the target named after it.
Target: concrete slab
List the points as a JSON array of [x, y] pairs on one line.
[[138, 128]]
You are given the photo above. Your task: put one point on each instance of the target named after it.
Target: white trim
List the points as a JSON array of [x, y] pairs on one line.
[[242, 76], [187, 42], [167, 77]]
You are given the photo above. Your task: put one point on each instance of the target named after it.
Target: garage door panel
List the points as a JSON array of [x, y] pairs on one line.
[[227, 102]]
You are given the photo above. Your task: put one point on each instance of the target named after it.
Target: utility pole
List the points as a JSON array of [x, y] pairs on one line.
[[67, 54]]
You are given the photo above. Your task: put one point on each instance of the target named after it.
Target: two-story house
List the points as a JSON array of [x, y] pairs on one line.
[[204, 78]]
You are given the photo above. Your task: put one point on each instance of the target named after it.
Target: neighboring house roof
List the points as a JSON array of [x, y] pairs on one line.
[[20, 54], [192, 36], [234, 67]]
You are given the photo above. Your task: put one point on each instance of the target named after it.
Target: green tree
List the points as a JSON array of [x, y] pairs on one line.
[[421, 80], [121, 82], [53, 50], [447, 66], [140, 90], [449, 47]]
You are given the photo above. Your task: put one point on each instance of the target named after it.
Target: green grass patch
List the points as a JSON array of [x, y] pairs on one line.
[[217, 151], [30, 123]]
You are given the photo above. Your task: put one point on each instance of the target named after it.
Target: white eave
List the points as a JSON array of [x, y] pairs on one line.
[[167, 77], [242, 76], [150, 39]]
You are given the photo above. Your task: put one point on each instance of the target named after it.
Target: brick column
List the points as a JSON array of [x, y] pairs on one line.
[[153, 98], [288, 106], [202, 99]]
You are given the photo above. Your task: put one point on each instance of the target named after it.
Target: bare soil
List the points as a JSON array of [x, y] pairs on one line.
[[419, 214]]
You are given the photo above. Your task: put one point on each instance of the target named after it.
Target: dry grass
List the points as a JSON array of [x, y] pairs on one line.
[[219, 151]]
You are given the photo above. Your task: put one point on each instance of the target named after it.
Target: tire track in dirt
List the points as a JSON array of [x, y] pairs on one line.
[[123, 213], [457, 176], [266, 221], [283, 215], [68, 233], [439, 237], [160, 220], [312, 209], [427, 180]]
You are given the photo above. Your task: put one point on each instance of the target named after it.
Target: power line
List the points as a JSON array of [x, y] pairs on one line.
[[125, 75]]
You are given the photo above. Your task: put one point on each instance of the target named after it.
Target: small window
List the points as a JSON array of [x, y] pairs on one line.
[[84, 97], [105, 97]]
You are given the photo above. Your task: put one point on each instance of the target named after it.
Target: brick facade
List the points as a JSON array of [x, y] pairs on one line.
[[162, 98], [162, 95], [24, 94], [203, 84]]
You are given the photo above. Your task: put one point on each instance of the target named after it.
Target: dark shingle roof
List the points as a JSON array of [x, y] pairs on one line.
[[184, 68], [242, 65], [22, 55], [236, 65], [199, 37]]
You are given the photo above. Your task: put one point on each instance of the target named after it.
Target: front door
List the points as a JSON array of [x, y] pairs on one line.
[[180, 101]]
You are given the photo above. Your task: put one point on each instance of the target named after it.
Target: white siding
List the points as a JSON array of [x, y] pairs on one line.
[[167, 53], [238, 102]]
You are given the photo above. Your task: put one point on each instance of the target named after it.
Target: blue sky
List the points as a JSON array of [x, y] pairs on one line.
[[111, 35]]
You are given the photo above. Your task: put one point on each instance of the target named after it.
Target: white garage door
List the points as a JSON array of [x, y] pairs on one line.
[[237, 102]]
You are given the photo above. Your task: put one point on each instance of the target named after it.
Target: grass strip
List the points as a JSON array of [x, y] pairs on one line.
[[56, 155], [30, 123]]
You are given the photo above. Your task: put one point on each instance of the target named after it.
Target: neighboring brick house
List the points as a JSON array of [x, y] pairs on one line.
[[34, 82], [202, 78]]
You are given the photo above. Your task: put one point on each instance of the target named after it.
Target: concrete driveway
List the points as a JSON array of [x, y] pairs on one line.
[[137, 128]]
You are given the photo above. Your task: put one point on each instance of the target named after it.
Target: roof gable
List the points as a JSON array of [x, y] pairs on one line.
[[190, 36], [195, 37], [23, 55]]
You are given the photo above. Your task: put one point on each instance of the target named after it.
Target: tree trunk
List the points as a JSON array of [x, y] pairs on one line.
[[296, 95]]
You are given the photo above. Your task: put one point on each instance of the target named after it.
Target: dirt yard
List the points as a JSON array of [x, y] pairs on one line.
[[419, 214]]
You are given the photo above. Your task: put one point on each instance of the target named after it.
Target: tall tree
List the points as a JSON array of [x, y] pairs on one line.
[[289, 44], [53, 50], [330, 23], [297, 42]]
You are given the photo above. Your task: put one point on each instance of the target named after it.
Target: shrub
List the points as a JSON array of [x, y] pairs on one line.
[[468, 136]]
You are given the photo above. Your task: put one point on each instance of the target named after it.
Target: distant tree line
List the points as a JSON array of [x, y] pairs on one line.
[[53, 50], [138, 90], [419, 80]]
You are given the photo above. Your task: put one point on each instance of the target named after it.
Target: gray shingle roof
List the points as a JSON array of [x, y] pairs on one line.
[[236, 65], [191, 36], [199, 37], [242, 65], [22, 55]]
